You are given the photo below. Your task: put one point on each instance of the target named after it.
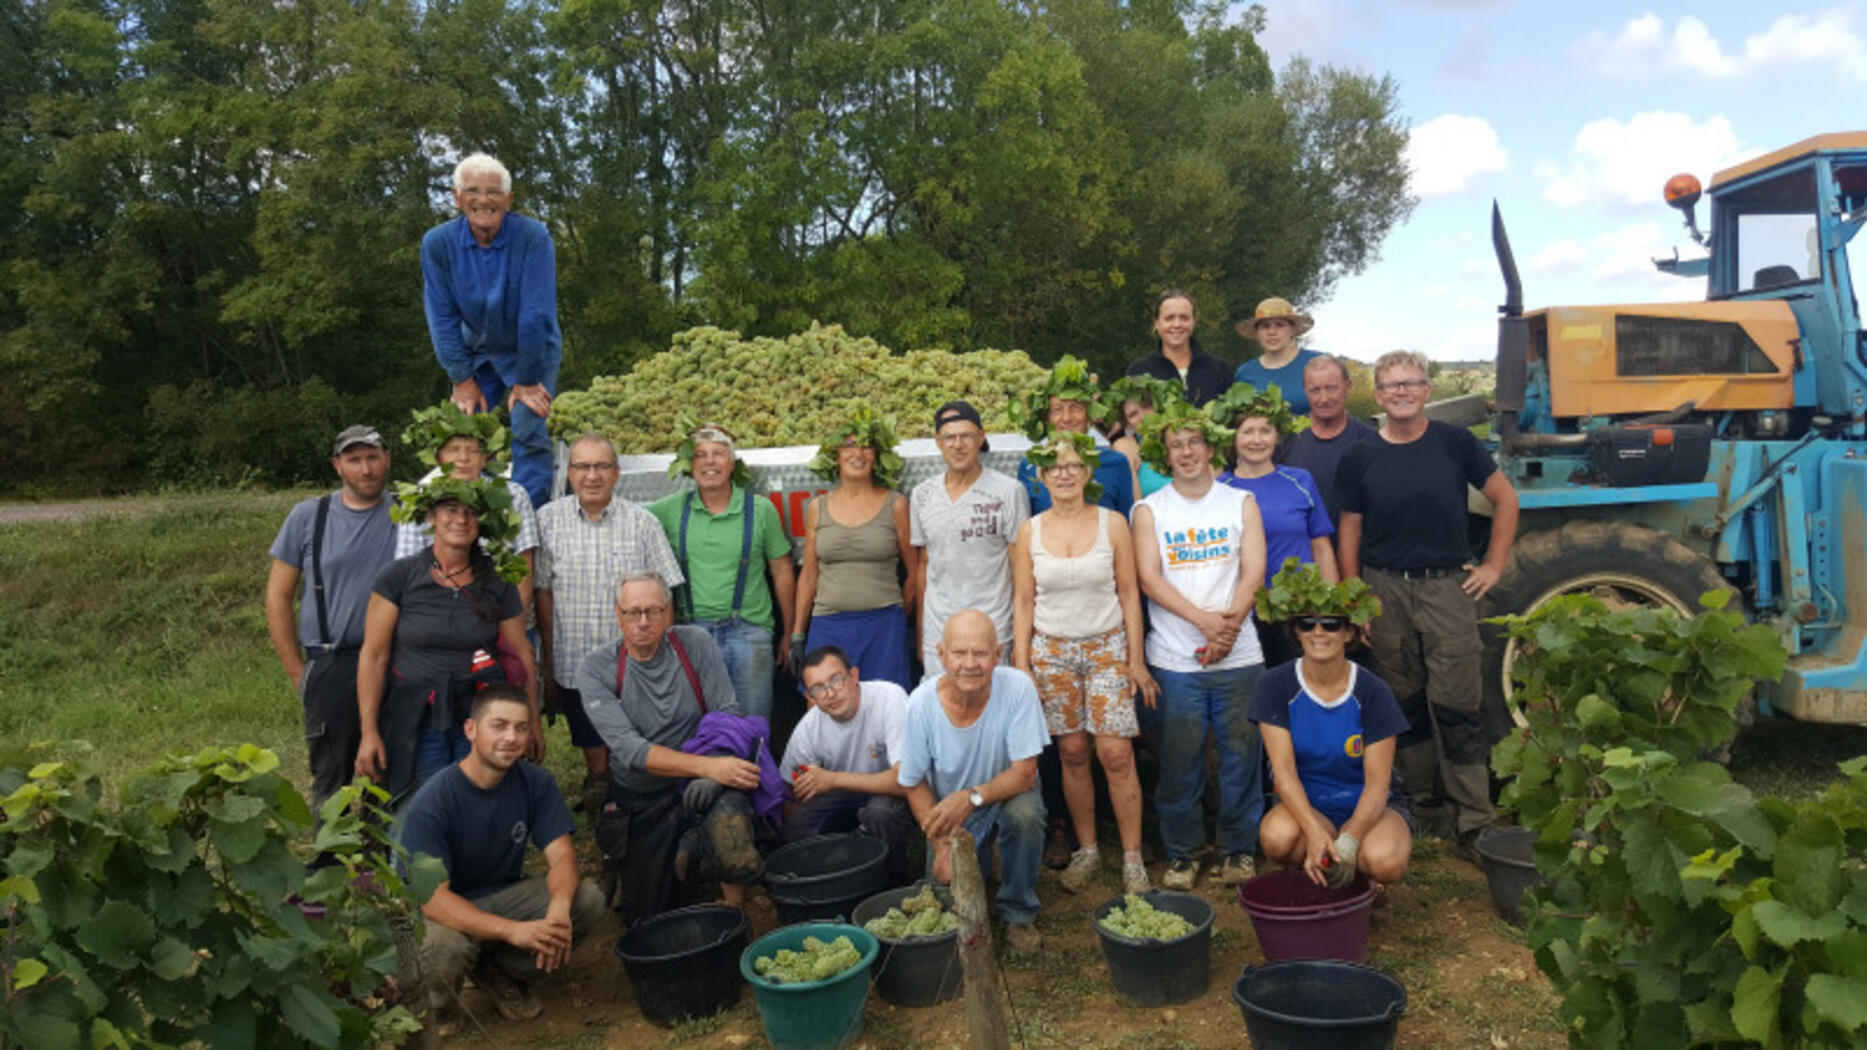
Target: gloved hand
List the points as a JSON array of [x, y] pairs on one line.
[[700, 795], [1342, 872], [794, 664]]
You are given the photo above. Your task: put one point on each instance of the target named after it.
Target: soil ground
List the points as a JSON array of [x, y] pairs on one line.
[[1470, 982]]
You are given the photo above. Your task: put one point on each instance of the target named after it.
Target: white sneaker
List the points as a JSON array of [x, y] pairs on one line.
[[1181, 874], [1083, 866], [1134, 878]]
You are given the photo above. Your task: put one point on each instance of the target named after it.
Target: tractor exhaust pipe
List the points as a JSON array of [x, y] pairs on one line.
[[1513, 338]]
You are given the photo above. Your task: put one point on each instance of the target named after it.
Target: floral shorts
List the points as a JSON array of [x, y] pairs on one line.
[[1084, 683]]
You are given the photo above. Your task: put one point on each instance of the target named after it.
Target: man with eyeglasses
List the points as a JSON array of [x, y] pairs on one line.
[[1332, 431], [588, 546], [1404, 530], [670, 815], [842, 763], [966, 520]]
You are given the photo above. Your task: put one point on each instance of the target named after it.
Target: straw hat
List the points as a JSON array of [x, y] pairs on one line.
[[1275, 309]]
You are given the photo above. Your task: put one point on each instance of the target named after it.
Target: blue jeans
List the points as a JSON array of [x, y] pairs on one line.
[[1193, 704], [1019, 823], [746, 649], [534, 463], [439, 748]]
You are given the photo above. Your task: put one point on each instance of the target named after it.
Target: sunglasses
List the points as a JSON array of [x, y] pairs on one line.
[[1327, 623]]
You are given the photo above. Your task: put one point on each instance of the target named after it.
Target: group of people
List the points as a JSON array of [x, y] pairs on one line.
[[659, 628]]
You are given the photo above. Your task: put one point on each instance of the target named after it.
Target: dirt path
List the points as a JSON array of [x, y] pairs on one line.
[[1470, 981]]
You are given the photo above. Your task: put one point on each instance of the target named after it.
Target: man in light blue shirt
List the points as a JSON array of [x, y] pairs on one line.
[[969, 760], [489, 287]]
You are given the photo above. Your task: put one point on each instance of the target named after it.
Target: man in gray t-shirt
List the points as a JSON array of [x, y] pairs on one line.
[[645, 695], [966, 520], [333, 545]]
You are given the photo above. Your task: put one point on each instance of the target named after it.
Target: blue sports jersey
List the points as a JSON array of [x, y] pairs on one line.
[[1292, 511], [1329, 738]]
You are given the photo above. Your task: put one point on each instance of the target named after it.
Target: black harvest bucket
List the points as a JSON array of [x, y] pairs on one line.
[[824, 876], [1319, 1004], [1509, 855], [1161, 973], [685, 963], [920, 971]]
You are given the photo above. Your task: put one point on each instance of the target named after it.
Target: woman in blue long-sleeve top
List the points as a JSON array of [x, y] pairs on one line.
[[489, 287]]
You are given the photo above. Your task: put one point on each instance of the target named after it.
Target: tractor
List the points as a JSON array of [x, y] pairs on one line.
[[1661, 451]]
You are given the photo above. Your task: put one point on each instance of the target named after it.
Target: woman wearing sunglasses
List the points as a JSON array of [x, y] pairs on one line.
[[1330, 728]]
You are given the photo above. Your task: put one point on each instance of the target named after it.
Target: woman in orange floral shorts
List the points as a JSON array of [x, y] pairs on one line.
[[1077, 631]]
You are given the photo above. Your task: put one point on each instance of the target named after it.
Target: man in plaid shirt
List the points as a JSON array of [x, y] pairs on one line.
[[588, 546]]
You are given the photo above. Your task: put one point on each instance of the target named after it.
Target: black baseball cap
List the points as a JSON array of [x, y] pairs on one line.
[[960, 411]]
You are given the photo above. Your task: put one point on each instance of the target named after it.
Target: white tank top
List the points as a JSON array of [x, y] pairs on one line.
[[1076, 597], [1198, 544]]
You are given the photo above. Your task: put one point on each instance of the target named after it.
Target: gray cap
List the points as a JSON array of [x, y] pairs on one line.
[[356, 435]]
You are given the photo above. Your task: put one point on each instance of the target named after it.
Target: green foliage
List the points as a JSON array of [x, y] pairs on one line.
[[167, 917], [789, 391], [1043, 456], [865, 429], [1138, 920], [1172, 418], [1681, 909], [918, 916], [1242, 401], [233, 194], [435, 425], [1069, 380], [819, 961], [490, 502], [209, 434], [683, 463], [1299, 590]]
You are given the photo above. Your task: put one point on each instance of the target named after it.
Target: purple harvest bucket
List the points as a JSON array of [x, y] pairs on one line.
[[1296, 919]]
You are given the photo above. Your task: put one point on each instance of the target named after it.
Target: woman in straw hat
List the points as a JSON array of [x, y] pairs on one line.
[[1276, 326]]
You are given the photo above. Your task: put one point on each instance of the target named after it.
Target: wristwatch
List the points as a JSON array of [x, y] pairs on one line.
[[976, 799]]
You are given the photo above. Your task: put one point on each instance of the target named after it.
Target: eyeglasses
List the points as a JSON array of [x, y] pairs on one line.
[[646, 612], [1066, 470], [958, 437], [823, 689], [1187, 446], [1331, 624], [591, 468], [1402, 384]]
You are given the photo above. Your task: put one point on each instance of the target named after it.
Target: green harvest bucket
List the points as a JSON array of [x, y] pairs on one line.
[[815, 1015]]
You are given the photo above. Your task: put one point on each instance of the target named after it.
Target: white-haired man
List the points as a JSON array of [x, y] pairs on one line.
[[489, 287]]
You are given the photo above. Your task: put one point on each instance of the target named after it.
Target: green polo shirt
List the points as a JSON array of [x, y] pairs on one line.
[[712, 558]]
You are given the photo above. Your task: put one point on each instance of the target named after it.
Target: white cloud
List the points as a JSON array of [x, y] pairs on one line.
[[1557, 256], [1643, 46], [1447, 152], [1622, 164]]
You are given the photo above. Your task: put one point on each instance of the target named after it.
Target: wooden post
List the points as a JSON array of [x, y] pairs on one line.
[[985, 1004]]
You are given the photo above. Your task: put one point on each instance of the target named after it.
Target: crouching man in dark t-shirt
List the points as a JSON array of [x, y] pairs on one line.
[[475, 817]]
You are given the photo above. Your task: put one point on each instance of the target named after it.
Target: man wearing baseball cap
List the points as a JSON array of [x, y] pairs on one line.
[[966, 520], [335, 545]]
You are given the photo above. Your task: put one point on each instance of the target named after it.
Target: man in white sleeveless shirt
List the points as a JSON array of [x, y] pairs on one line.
[[1200, 548]]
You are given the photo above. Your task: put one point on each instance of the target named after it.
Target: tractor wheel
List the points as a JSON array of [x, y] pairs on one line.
[[1621, 565]]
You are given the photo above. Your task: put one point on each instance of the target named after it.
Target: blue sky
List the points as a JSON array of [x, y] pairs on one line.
[[1572, 115]]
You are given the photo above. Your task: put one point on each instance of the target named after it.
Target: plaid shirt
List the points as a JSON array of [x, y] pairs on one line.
[[415, 536], [583, 563]]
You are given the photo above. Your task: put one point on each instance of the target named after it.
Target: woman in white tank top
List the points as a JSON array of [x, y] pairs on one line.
[[1076, 630]]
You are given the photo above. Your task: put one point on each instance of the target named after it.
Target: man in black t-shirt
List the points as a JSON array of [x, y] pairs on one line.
[[477, 818], [1332, 431], [1403, 529]]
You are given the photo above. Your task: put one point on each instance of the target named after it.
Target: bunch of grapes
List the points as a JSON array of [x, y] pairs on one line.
[[817, 962], [791, 391], [918, 916], [1138, 920]]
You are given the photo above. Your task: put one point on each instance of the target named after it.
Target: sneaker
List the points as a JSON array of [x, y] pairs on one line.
[[1084, 864], [1134, 878], [1237, 870], [513, 1000], [1023, 938], [1182, 874]]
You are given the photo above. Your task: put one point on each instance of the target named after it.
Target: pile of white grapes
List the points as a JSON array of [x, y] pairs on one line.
[[792, 391]]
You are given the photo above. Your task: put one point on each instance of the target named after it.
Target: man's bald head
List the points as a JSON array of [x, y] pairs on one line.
[[969, 650]]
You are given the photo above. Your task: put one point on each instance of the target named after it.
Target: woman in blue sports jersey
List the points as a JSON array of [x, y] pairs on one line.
[[1329, 728]]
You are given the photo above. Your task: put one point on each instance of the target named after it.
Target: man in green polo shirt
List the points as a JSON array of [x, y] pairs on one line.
[[729, 543]]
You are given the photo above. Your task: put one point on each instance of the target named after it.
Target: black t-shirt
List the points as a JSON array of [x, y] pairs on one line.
[[436, 627], [1323, 460], [1412, 497], [1206, 376]]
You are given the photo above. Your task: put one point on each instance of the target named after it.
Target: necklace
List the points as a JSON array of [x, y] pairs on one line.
[[448, 576]]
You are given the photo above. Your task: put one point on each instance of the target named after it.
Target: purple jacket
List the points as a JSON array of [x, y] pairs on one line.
[[721, 733]]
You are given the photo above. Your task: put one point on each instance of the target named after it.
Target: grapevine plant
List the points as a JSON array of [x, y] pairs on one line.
[[181, 916], [1678, 909]]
